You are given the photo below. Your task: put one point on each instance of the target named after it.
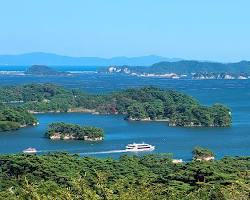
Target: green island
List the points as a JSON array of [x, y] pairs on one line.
[[13, 118], [66, 131], [143, 104], [200, 153], [43, 70], [149, 177]]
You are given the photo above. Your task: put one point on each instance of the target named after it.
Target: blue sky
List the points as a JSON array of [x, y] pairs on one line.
[[216, 30]]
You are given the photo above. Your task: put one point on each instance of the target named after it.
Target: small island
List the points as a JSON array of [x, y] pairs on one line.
[[67, 131], [13, 118], [43, 70], [202, 154]]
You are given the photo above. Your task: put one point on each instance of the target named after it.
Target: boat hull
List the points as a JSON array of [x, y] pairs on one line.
[[139, 150], [30, 150]]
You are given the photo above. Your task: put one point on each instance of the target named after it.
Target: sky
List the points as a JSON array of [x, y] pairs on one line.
[[216, 30]]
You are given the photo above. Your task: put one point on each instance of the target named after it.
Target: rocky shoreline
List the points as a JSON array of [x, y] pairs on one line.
[[175, 74], [148, 120], [71, 110], [171, 124], [58, 136], [94, 112], [205, 158], [26, 125]]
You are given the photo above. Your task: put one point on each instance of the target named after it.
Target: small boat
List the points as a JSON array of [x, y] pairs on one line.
[[30, 150], [139, 147]]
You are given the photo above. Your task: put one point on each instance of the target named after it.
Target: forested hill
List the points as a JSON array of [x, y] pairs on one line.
[[43, 70], [150, 177], [12, 118], [144, 104], [188, 67], [196, 66]]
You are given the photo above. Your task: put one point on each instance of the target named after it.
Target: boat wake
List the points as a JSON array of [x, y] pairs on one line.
[[103, 152], [86, 153], [135, 147]]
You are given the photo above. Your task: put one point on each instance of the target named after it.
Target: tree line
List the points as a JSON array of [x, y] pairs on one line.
[[154, 176]]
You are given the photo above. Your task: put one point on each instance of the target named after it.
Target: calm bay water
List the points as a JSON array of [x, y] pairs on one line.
[[179, 141]]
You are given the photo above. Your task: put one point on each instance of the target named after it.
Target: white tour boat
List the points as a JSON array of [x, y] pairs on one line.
[[139, 147], [30, 150]]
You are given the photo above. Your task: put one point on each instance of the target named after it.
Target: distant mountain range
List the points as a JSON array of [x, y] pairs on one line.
[[57, 60]]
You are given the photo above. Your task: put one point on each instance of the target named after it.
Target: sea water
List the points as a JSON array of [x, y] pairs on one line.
[[119, 132]]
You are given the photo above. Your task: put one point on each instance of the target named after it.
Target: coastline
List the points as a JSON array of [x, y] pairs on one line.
[[71, 110], [94, 112], [148, 120], [58, 136]]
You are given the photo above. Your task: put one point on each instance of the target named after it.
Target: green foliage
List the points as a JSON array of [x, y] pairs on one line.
[[31, 92], [200, 152], [190, 66], [220, 116], [155, 109], [12, 118], [64, 176], [7, 126], [137, 104], [136, 111], [77, 131], [43, 70]]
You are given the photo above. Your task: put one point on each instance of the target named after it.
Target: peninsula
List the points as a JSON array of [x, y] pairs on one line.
[[143, 104]]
